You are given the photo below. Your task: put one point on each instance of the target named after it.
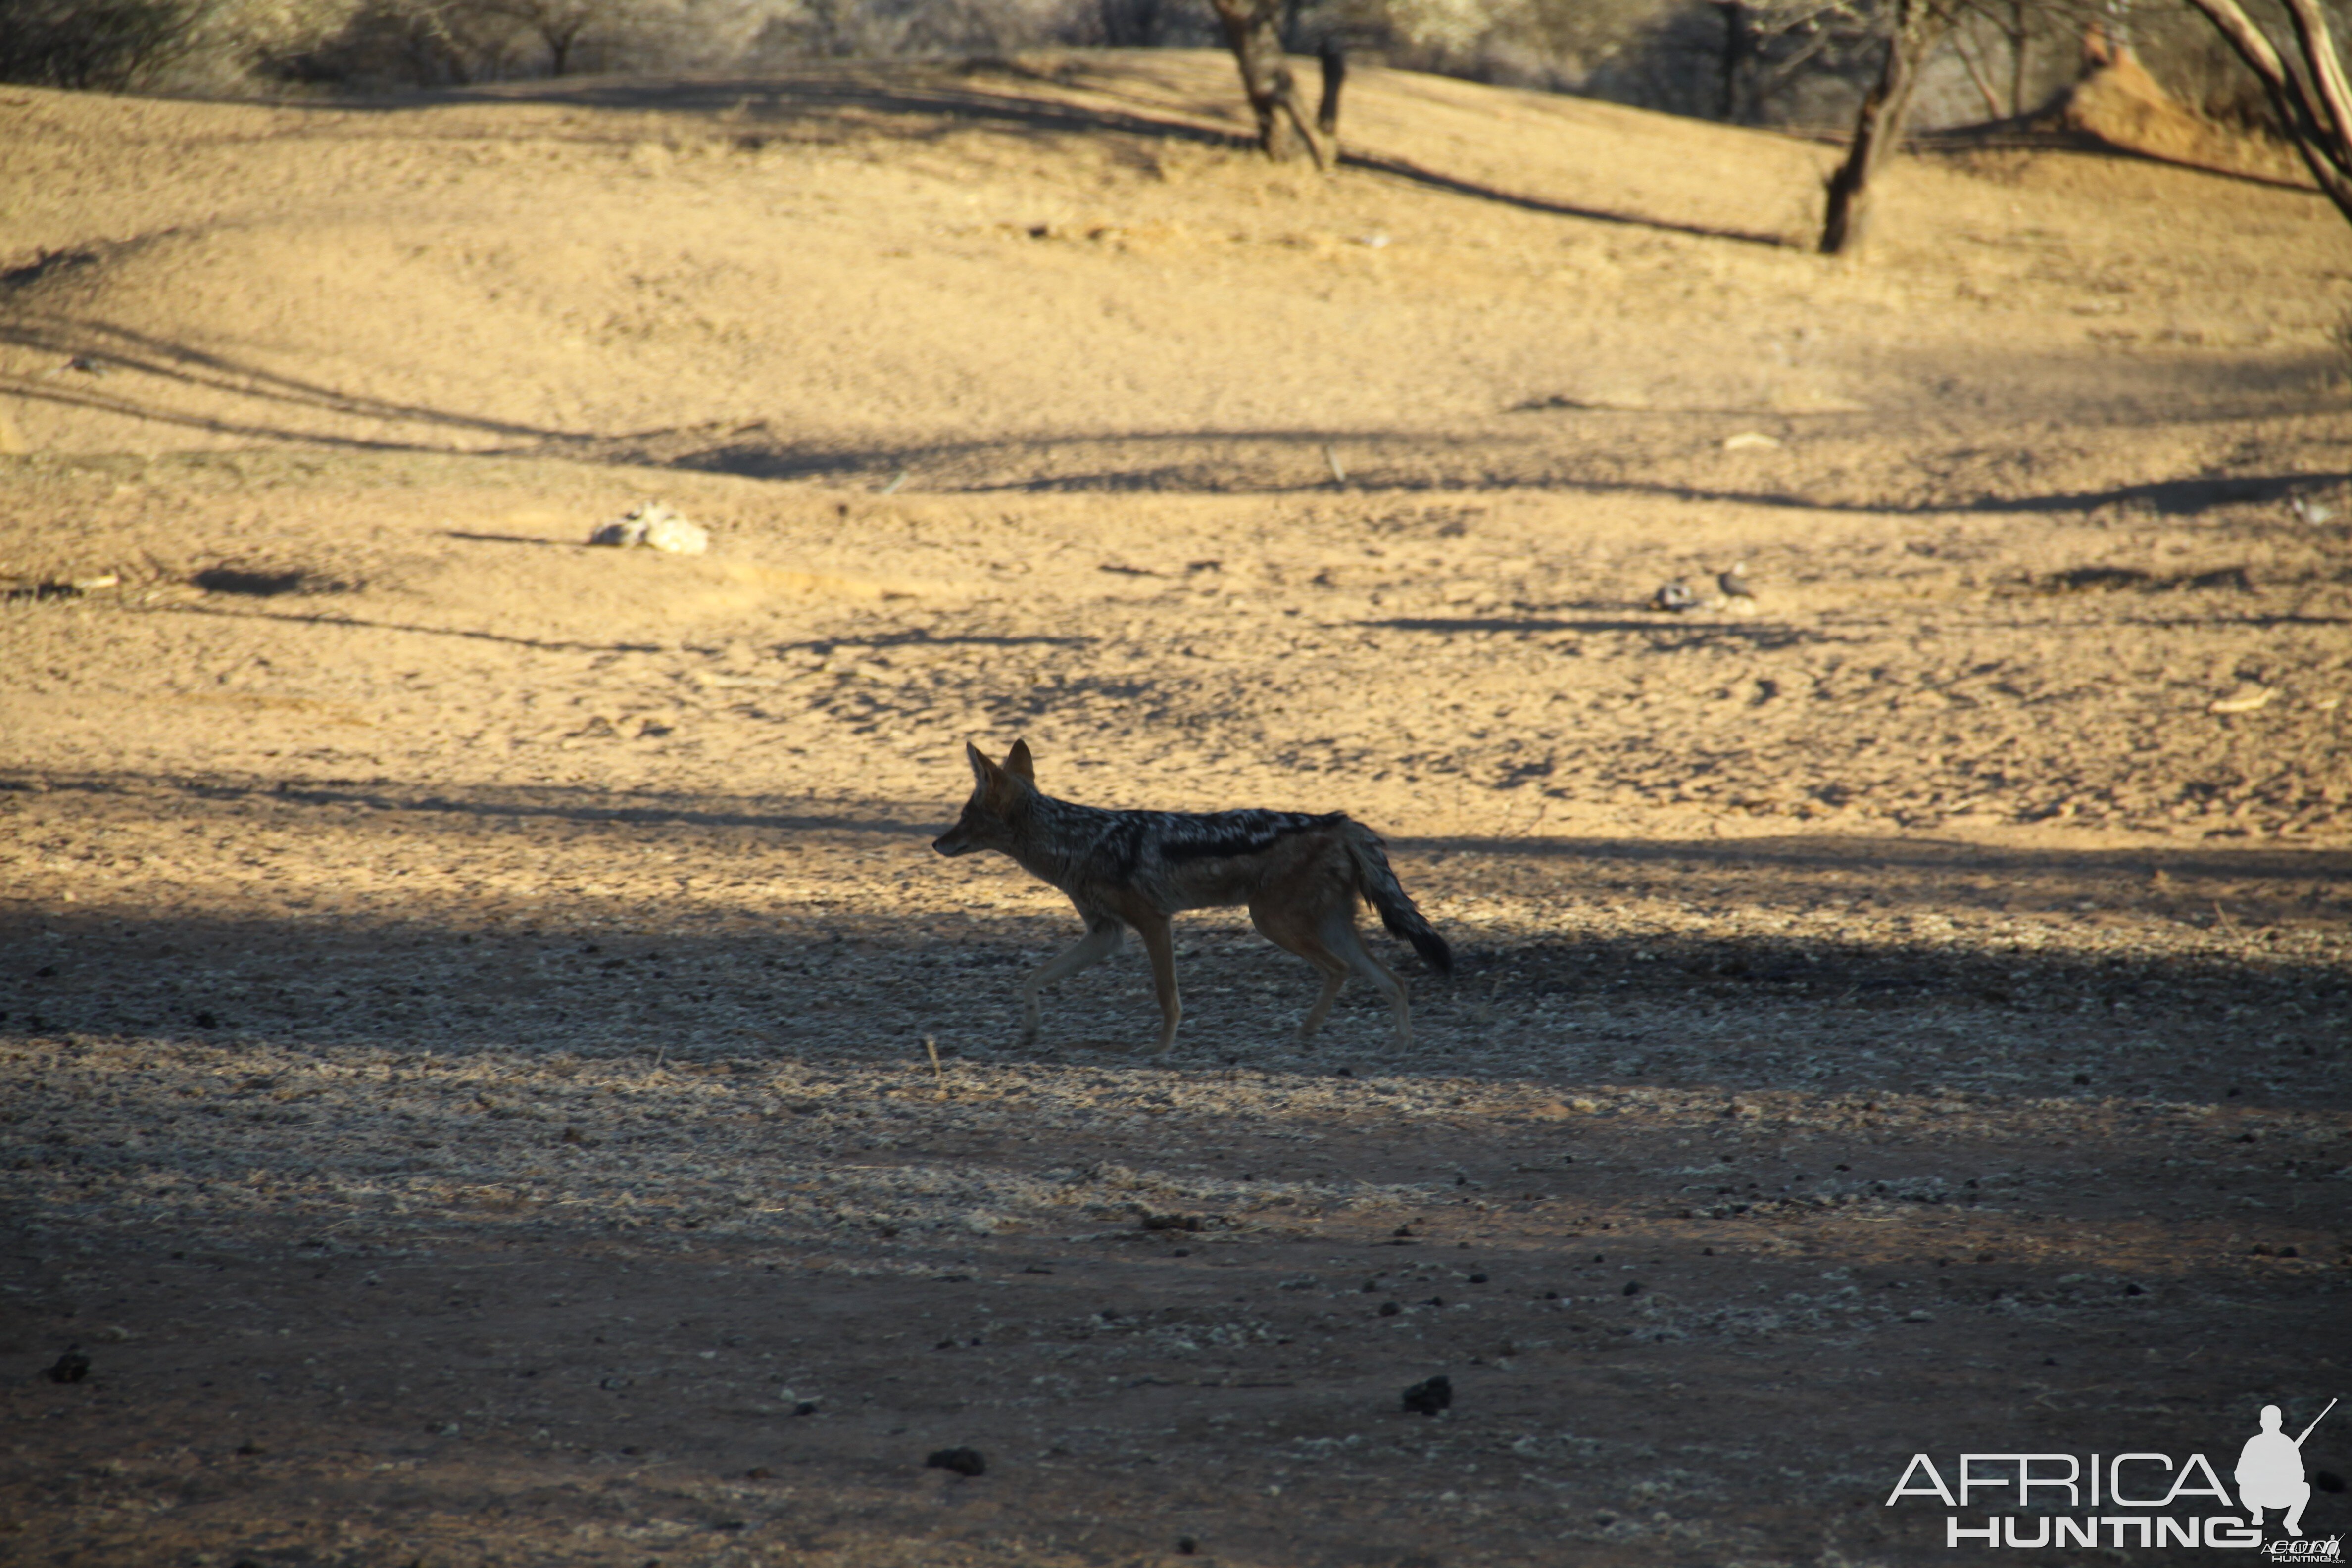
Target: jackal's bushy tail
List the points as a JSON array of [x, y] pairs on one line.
[[1379, 884]]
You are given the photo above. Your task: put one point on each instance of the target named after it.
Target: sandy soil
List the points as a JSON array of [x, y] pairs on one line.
[[465, 995]]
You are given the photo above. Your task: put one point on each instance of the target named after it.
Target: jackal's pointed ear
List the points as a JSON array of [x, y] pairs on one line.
[[1020, 764], [983, 770]]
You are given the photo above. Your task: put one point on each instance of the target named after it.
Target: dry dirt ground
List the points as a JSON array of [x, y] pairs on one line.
[[463, 994]]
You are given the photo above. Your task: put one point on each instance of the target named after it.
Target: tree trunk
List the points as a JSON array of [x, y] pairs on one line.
[[2016, 48], [1253, 33], [1739, 43], [1334, 61], [1878, 128]]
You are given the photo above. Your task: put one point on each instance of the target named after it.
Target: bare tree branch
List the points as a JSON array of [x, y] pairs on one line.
[[2315, 120], [1977, 77], [2319, 53]]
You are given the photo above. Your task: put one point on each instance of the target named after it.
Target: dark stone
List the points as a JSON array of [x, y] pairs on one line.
[[962, 1461], [70, 1367], [1633, 1287], [1430, 1397]]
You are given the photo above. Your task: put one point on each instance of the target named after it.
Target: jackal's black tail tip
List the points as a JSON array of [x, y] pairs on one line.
[[1406, 923], [1398, 913]]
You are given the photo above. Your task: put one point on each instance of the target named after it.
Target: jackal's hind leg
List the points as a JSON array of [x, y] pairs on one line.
[[1099, 942], [1333, 978], [1339, 935], [1293, 933]]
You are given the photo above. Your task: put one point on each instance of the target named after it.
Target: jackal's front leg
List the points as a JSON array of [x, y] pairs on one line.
[[1099, 942], [1160, 942]]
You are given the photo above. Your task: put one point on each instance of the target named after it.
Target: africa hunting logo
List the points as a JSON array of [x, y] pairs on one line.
[[2143, 1501]]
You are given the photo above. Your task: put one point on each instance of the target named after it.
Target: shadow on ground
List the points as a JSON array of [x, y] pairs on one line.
[[1825, 961]]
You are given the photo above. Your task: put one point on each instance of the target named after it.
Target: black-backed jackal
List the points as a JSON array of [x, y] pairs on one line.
[[1299, 874]]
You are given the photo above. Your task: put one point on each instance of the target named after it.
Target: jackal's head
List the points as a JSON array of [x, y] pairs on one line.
[[991, 817]]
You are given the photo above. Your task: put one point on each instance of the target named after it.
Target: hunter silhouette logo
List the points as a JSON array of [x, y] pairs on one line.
[[2140, 1498], [2270, 1471]]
